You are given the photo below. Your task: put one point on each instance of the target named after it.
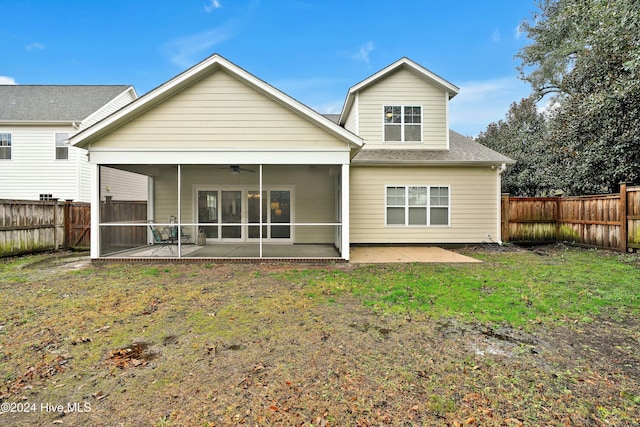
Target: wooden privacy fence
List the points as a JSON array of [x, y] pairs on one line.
[[133, 212], [28, 226], [610, 221]]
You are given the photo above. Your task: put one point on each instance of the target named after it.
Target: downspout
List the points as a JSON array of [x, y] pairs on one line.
[[501, 169]]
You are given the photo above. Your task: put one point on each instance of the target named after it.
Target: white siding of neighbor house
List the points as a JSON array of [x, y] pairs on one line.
[[220, 111], [114, 105], [123, 185], [402, 88], [473, 200], [313, 193], [34, 170]]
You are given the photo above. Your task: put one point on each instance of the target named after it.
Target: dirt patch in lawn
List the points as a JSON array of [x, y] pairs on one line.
[[217, 345]]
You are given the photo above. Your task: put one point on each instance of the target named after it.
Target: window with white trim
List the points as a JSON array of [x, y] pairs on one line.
[[417, 205], [62, 146], [402, 123], [5, 146]]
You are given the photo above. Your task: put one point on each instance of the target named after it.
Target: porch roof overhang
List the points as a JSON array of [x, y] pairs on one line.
[[273, 156]]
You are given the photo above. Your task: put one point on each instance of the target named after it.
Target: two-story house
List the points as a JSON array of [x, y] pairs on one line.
[[36, 160], [242, 170]]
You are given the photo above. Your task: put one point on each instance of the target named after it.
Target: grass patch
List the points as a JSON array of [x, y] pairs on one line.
[[516, 288]]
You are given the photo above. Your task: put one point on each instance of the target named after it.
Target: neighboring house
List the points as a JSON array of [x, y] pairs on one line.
[[36, 161], [245, 171]]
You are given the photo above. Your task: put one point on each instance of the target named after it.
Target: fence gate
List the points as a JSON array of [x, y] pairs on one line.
[[77, 220]]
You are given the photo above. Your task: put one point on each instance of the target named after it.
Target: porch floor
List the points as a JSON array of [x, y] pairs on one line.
[[232, 250]]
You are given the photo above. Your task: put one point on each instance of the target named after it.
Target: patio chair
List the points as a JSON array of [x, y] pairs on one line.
[[163, 238]]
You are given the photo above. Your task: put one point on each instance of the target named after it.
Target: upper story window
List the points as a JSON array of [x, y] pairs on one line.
[[5, 146], [402, 123], [62, 146]]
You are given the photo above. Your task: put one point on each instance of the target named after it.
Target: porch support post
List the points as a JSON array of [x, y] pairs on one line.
[[95, 211], [261, 202], [179, 213], [344, 201]]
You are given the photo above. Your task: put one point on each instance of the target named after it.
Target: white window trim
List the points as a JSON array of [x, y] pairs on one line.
[[402, 124], [428, 206], [10, 146], [56, 146]]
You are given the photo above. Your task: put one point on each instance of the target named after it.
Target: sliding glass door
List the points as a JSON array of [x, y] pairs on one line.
[[219, 210]]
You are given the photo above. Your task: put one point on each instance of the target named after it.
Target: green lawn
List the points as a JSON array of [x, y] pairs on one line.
[[542, 337], [513, 287]]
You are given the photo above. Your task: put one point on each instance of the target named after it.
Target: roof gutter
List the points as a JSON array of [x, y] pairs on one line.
[[39, 122], [429, 163], [501, 169]]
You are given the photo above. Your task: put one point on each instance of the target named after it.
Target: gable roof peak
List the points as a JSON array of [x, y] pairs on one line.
[[193, 74], [402, 63]]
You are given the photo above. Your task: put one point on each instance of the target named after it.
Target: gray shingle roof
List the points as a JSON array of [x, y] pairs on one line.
[[335, 118], [462, 150], [54, 103]]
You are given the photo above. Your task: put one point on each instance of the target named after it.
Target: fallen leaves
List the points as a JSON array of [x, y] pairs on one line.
[[134, 355], [36, 374]]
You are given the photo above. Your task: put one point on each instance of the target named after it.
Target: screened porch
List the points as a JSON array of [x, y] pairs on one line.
[[222, 211]]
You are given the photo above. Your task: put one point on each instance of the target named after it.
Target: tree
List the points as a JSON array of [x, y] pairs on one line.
[[521, 136], [586, 54]]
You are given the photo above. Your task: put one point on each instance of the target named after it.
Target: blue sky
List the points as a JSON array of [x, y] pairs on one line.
[[313, 50]]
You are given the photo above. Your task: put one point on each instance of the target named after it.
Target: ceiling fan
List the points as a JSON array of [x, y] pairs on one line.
[[235, 169]]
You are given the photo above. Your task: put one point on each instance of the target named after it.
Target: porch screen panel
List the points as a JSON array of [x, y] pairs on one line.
[[231, 214], [253, 198], [208, 212], [280, 206]]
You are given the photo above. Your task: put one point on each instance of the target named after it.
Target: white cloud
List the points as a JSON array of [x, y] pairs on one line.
[[4, 80], [363, 53], [185, 52], [213, 5], [482, 102], [34, 46], [495, 37]]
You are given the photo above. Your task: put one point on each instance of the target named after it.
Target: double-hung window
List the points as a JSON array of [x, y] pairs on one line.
[[62, 146], [402, 123], [417, 205], [5, 146]]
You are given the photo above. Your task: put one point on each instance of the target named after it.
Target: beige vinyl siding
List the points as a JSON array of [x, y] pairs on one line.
[[473, 197], [219, 111], [403, 88], [33, 168], [313, 193]]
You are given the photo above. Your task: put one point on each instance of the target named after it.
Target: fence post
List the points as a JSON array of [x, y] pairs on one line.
[[505, 217], [557, 219], [622, 209], [55, 224], [67, 223]]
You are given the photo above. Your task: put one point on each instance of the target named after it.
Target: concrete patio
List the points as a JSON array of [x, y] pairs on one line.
[[358, 254], [403, 254]]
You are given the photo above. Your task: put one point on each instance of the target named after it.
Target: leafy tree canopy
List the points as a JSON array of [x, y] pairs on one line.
[[585, 55]]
